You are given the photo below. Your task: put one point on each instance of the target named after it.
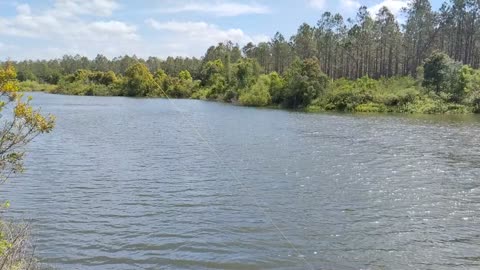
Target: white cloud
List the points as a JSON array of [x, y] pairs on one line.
[[46, 26], [350, 4], [345, 7], [202, 31], [112, 29], [193, 38], [90, 7], [319, 4], [395, 6], [220, 8], [349, 7], [64, 25], [89, 27], [24, 9]]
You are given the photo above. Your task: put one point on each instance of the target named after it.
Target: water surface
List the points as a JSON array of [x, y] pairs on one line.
[[143, 184]]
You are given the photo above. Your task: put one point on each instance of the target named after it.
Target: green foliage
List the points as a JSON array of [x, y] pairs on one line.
[[26, 75], [259, 94], [202, 94], [443, 75], [441, 85], [371, 107], [217, 86], [181, 87], [345, 95], [185, 75], [36, 86], [277, 88], [212, 71], [369, 95], [214, 79], [162, 82], [139, 81], [305, 82], [5, 245], [246, 72]]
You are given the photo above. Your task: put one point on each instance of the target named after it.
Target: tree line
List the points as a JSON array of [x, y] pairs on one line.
[[376, 45], [370, 62]]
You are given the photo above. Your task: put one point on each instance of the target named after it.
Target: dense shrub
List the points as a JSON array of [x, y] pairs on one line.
[[304, 83], [258, 94], [444, 75], [441, 86], [139, 81], [371, 107], [36, 86]]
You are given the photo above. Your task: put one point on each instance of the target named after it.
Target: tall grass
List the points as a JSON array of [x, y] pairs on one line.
[[32, 86]]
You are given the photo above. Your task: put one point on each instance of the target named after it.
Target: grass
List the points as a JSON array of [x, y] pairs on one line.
[[34, 86]]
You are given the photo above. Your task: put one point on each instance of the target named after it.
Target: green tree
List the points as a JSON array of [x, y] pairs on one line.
[[258, 94], [213, 74], [277, 88], [246, 72], [211, 70], [139, 81], [305, 82], [419, 33], [304, 42], [442, 75], [185, 75], [182, 86], [281, 53]]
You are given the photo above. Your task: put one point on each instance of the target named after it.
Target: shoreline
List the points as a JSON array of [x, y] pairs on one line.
[[308, 110]]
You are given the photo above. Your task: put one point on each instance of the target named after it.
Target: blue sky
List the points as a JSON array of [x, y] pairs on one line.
[[51, 28]]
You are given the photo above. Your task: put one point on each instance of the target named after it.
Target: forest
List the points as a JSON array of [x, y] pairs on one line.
[[424, 61]]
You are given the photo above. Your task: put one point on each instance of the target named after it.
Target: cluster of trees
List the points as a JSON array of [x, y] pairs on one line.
[[320, 66], [376, 45], [243, 82], [441, 85]]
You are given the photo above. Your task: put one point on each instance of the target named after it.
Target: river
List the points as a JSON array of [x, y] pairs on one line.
[[127, 183]]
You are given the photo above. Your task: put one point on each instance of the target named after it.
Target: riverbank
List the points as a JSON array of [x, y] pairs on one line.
[[399, 95], [440, 86]]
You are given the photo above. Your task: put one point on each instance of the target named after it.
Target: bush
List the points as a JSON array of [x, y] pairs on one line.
[[139, 81], [76, 88], [202, 94], [442, 74], [304, 83], [371, 107], [426, 105], [458, 108], [36, 86], [259, 94], [346, 96], [218, 87], [277, 88]]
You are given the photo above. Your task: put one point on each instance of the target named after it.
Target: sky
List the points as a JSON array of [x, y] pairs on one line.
[[47, 29]]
